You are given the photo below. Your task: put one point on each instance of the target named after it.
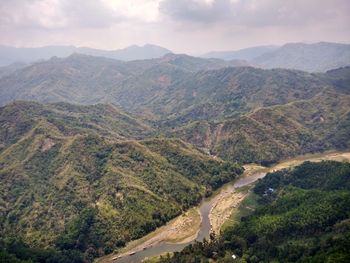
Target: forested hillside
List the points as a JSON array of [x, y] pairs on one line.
[[276, 114], [72, 181], [121, 148], [224, 110], [301, 126], [302, 216], [87, 79]]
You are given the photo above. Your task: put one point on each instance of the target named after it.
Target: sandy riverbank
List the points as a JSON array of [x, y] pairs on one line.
[[227, 201], [185, 228], [182, 229], [222, 208]]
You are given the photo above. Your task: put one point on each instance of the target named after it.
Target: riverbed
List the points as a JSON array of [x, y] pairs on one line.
[[252, 174], [204, 230]]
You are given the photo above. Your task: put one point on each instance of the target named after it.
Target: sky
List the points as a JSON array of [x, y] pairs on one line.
[[183, 26]]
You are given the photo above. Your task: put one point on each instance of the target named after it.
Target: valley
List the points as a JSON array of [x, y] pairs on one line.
[[174, 131], [258, 197], [216, 210], [101, 158]]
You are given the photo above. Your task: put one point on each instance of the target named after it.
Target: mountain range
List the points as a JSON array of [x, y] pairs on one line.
[[88, 79], [207, 102], [317, 57], [95, 152], [244, 54], [10, 55]]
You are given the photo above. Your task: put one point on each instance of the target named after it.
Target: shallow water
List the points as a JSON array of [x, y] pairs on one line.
[[205, 227], [206, 205]]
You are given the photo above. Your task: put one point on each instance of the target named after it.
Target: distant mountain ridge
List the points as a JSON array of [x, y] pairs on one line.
[[9, 55], [87, 79], [244, 54], [223, 109], [316, 57]]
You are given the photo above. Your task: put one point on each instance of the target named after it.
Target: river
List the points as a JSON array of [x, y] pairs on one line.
[[206, 205], [205, 226]]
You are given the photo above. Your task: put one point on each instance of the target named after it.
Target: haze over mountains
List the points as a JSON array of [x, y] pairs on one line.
[[318, 57], [9, 55], [244, 54]]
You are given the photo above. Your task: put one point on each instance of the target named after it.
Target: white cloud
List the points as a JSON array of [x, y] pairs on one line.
[[57, 14], [146, 10], [255, 13], [181, 25]]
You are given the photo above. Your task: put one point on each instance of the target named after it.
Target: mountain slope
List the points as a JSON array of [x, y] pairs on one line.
[[318, 57], [73, 178], [87, 80], [340, 78], [228, 92], [19, 118], [227, 110], [7, 70], [273, 133]]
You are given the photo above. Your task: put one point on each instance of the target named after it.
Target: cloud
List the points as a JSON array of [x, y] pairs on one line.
[[56, 14], [196, 11], [192, 26], [139, 10], [89, 13], [253, 13]]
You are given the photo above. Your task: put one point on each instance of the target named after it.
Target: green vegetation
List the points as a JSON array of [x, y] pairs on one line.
[[253, 115], [66, 187], [270, 134], [80, 181], [246, 208], [303, 215], [229, 111]]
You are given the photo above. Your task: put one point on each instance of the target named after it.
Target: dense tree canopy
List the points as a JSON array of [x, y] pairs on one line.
[[303, 216]]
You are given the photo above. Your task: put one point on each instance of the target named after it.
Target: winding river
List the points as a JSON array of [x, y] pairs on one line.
[[206, 205], [205, 226]]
